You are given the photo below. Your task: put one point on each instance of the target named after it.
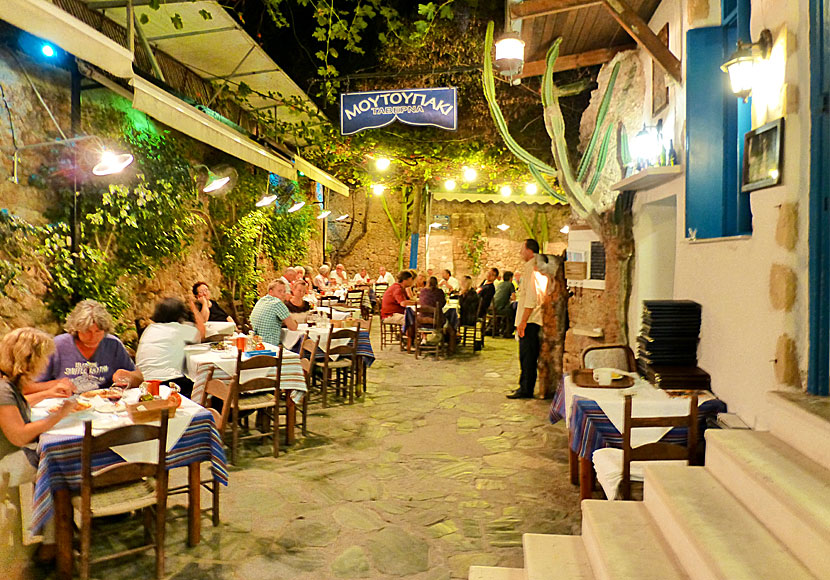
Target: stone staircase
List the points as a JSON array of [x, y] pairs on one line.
[[758, 510]]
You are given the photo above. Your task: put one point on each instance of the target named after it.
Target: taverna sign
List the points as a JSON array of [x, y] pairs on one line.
[[423, 107]]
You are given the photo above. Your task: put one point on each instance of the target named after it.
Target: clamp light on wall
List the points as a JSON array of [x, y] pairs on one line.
[[742, 64], [108, 164], [217, 181], [324, 214], [296, 207], [266, 200], [342, 218], [503, 227]]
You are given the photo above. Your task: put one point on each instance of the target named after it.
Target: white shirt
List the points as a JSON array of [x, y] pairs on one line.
[[340, 280], [450, 285], [160, 353], [388, 278], [528, 296], [321, 281], [358, 279]]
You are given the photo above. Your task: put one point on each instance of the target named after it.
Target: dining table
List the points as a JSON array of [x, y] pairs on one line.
[[594, 418], [203, 362], [192, 439]]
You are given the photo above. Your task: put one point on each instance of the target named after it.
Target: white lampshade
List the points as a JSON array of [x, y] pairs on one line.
[[112, 163], [506, 190], [510, 54], [470, 174], [503, 227], [531, 189], [449, 184]]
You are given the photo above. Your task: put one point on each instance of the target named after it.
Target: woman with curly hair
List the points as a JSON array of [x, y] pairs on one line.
[[87, 356]]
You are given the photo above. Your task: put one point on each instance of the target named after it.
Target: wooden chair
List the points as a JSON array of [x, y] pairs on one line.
[[615, 468], [258, 394], [308, 360], [206, 479], [390, 333], [123, 488], [380, 290], [428, 320], [344, 368], [494, 321], [615, 356], [354, 298], [477, 331]]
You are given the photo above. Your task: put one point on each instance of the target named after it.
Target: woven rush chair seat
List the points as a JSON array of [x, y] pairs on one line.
[[256, 401], [121, 499]]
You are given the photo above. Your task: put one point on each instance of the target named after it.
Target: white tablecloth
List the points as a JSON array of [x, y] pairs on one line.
[[648, 401], [134, 452], [212, 328], [199, 362], [290, 338]]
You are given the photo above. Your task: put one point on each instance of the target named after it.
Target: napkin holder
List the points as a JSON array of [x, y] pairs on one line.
[[146, 411]]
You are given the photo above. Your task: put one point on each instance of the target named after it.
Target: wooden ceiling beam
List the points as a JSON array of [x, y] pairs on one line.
[[536, 8], [573, 61], [643, 35]]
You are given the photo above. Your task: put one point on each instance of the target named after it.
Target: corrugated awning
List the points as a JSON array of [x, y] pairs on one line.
[[47, 21], [540, 199], [320, 176], [187, 119]]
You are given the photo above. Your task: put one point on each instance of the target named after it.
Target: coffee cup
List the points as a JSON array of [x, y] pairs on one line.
[[603, 377]]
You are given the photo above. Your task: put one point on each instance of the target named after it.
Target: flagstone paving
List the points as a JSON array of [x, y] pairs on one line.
[[433, 471]]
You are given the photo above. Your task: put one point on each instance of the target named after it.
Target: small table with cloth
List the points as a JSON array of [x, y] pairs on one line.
[[191, 439], [202, 363], [594, 417]]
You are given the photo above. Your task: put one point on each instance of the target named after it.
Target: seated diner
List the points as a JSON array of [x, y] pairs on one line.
[[87, 356], [297, 303], [160, 354], [394, 302], [207, 309]]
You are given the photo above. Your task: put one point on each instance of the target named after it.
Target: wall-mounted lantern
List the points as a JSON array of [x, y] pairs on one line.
[[741, 65], [510, 54]]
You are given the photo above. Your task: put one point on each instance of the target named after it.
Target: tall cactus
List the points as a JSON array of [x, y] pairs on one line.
[[580, 184]]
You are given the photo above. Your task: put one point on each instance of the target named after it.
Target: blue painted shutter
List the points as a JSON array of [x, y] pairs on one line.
[[705, 119]]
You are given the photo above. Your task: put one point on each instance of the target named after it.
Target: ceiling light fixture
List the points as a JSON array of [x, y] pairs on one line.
[[382, 163], [378, 189], [506, 190], [449, 184], [531, 189], [510, 54], [470, 174]]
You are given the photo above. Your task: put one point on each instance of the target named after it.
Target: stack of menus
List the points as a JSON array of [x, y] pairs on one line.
[[667, 345]]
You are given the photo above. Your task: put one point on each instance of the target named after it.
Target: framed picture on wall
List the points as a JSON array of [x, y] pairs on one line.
[[763, 156], [659, 88]]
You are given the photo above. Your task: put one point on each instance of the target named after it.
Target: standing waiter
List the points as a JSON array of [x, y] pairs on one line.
[[528, 322]]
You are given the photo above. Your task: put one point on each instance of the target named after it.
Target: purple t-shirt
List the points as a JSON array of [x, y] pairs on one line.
[[87, 374]]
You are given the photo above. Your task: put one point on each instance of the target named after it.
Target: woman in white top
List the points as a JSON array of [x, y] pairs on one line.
[[160, 353], [321, 280]]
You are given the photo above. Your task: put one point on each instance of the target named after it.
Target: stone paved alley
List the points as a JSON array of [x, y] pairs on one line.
[[433, 471]]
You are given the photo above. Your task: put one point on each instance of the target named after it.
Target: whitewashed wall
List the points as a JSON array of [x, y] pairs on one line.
[[730, 277]]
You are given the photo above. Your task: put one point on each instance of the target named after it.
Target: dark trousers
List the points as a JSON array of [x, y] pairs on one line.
[[529, 346]]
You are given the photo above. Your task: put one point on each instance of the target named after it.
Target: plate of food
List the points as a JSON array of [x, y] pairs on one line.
[[113, 394], [80, 405]]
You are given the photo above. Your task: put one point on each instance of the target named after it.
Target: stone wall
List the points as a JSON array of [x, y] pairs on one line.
[[23, 304]]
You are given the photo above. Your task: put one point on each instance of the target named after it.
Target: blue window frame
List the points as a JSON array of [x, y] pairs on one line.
[[716, 122]]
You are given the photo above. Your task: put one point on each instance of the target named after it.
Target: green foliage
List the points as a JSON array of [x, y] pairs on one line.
[[474, 249], [18, 237]]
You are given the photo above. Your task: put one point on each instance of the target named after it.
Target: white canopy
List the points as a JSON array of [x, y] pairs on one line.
[[320, 176], [45, 20], [540, 198], [189, 120]]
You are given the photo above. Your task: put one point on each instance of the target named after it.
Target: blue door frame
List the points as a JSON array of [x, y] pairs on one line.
[[818, 379]]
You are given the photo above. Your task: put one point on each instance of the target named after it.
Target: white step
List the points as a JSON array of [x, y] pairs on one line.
[[496, 573], [624, 544], [551, 557], [712, 534], [786, 491], [801, 421]]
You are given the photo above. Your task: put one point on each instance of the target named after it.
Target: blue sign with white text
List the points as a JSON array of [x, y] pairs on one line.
[[423, 107]]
